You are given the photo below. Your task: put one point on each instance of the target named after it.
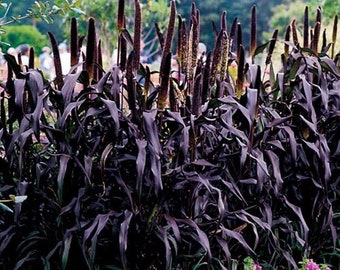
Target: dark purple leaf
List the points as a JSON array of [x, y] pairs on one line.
[[258, 156], [244, 152], [140, 164], [122, 183], [194, 176], [234, 189], [131, 85], [116, 85], [324, 156], [298, 212], [93, 232], [111, 105], [172, 223], [238, 133], [6, 238], [298, 67], [275, 162], [19, 87], [38, 111], [278, 121], [335, 235], [77, 207], [103, 81], [21, 262], [252, 102], [221, 265], [67, 90], [264, 225], [202, 237], [68, 110], [163, 235], [126, 35], [68, 207], [329, 65], [123, 237], [292, 141], [243, 217], [35, 84], [277, 144], [81, 166], [53, 251], [63, 161], [151, 131], [308, 94], [24, 136], [224, 245], [220, 203], [312, 146], [14, 66], [248, 181], [289, 258], [238, 237], [66, 251], [184, 142], [88, 165], [203, 163], [106, 152]]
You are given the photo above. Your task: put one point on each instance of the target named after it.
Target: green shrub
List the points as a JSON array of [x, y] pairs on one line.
[[23, 34]]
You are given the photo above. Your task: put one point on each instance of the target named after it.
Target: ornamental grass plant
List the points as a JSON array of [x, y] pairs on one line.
[[221, 160]]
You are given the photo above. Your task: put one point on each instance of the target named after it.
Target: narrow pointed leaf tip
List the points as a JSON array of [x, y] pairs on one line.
[[18, 199]]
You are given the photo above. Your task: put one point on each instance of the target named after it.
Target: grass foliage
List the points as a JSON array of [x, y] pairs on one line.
[[219, 161]]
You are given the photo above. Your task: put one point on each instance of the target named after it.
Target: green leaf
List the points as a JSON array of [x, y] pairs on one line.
[[66, 251], [5, 207], [261, 48], [295, 68], [78, 11], [18, 199]]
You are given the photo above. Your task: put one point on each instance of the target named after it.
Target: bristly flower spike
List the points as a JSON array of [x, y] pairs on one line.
[[253, 34], [166, 59], [334, 35], [120, 24], [137, 35], [287, 38], [317, 30], [294, 33], [306, 29]]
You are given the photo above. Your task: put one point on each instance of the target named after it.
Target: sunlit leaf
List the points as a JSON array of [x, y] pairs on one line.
[[5, 207], [123, 237], [18, 199], [66, 251]]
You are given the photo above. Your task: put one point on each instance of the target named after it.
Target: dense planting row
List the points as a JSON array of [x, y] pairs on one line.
[[219, 161]]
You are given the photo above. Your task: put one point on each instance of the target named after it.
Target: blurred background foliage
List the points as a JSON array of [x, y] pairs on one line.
[[24, 34], [274, 14]]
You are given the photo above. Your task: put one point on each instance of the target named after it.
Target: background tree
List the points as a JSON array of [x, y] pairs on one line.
[[105, 13], [329, 8], [20, 34], [46, 16], [271, 15], [235, 9], [284, 14]]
